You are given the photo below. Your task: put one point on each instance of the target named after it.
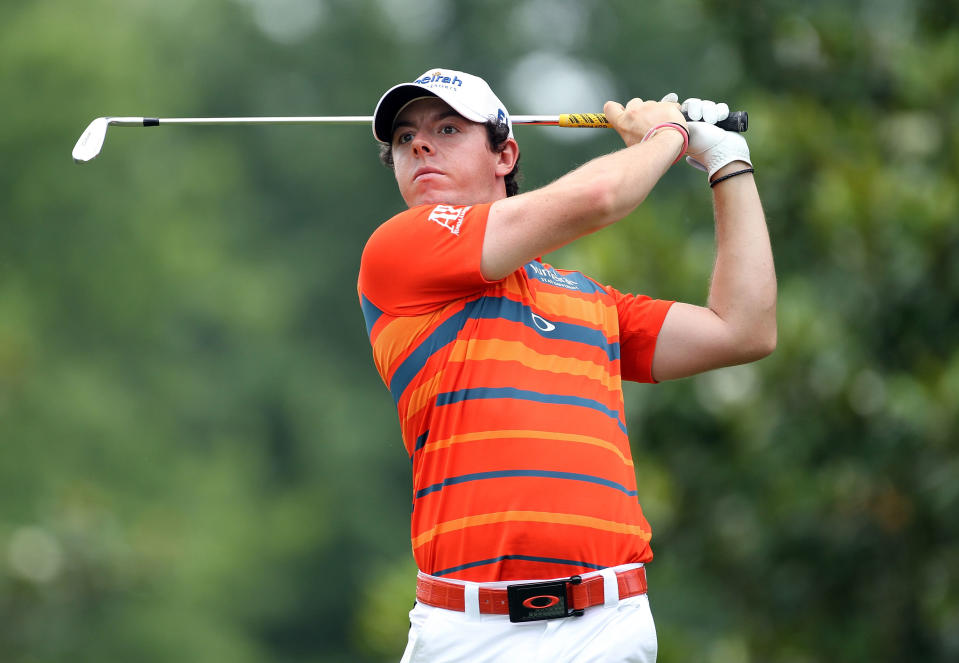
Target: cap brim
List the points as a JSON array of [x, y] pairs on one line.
[[389, 107]]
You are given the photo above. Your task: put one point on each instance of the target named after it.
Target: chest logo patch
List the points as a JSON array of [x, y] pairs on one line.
[[550, 276]]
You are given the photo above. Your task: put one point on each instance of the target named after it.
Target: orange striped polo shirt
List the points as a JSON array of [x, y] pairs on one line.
[[509, 399]]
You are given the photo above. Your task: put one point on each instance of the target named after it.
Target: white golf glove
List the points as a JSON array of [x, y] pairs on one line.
[[711, 148]]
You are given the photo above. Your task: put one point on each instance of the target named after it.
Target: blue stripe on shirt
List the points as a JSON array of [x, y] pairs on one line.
[[522, 558], [481, 393], [488, 308], [545, 474], [370, 313]]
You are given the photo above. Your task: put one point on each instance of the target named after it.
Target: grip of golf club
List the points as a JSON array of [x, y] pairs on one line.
[[737, 121]]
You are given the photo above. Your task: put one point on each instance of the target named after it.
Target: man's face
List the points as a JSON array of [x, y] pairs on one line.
[[441, 157]]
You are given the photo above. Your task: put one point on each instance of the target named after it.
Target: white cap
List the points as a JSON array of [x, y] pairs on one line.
[[468, 95]]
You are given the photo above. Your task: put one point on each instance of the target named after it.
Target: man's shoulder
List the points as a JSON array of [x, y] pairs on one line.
[[451, 218], [424, 257]]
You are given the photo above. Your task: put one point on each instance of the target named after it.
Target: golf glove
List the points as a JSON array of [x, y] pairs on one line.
[[711, 148]]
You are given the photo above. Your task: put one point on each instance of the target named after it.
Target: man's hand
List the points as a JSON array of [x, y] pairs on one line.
[[711, 148], [634, 121]]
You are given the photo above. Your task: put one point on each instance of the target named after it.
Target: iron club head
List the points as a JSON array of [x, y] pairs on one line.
[[91, 140]]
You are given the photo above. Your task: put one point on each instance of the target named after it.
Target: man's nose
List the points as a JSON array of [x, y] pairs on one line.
[[421, 146]]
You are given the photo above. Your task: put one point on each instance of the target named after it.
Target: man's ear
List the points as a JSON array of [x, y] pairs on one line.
[[507, 158]]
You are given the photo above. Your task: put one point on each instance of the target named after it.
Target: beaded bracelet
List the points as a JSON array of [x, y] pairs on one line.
[[727, 176], [670, 125]]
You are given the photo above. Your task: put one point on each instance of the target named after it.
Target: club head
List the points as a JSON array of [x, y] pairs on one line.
[[91, 140]]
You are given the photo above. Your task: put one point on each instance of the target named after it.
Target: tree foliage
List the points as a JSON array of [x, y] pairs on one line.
[[197, 458]]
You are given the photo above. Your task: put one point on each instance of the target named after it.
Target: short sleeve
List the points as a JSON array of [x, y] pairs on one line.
[[640, 320], [424, 258]]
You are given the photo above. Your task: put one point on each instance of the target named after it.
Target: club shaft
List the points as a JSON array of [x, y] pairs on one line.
[[91, 140], [737, 120], [342, 119], [306, 119]]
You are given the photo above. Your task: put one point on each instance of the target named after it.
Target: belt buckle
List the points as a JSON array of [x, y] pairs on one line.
[[534, 601]]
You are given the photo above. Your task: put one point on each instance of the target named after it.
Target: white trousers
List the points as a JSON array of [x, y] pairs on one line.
[[622, 631]]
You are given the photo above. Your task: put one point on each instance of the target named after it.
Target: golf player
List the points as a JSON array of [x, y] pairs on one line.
[[507, 372]]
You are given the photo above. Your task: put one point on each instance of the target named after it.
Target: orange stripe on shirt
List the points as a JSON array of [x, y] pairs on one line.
[[527, 434], [393, 344], [529, 517], [583, 308], [421, 397], [517, 351], [513, 287]]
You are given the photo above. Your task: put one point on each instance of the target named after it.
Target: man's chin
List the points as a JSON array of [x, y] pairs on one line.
[[440, 196], [431, 198]]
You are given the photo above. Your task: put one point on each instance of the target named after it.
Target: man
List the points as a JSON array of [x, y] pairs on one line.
[[506, 372]]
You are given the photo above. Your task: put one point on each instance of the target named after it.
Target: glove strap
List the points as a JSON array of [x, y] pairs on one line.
[[729, 175], [670, 125]]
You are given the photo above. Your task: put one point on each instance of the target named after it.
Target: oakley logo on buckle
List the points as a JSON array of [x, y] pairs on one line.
[[540, 602], [534, 601]]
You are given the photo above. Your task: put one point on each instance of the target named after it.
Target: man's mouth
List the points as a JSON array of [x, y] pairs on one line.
[[426, 170]]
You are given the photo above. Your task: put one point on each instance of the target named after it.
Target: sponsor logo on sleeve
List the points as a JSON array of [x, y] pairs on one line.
[[449, 216]]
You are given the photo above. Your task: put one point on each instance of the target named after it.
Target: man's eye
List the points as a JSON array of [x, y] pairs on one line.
[[402, 139], [449, 129]]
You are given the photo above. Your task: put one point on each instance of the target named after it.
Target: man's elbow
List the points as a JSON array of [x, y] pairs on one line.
[[760, 344], [603, 201], [767, 346]]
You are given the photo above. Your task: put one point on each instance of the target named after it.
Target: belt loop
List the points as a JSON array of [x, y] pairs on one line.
[[610, 588], [471, 600]]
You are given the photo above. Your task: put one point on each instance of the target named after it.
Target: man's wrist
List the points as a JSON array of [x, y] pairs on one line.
[[731, 167], [672, 131], [729, 171]]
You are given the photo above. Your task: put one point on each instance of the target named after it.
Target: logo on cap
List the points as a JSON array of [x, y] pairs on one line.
[[438, 78]]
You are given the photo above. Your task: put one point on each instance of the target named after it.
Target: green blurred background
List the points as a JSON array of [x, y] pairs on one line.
[[198, 461]]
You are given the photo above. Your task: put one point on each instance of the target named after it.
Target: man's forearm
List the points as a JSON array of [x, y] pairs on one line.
[[743, 288], [632, 177], [591, 197], [624, 179]]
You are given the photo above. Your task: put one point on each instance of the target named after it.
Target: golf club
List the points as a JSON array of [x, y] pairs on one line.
[[91, 140]]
